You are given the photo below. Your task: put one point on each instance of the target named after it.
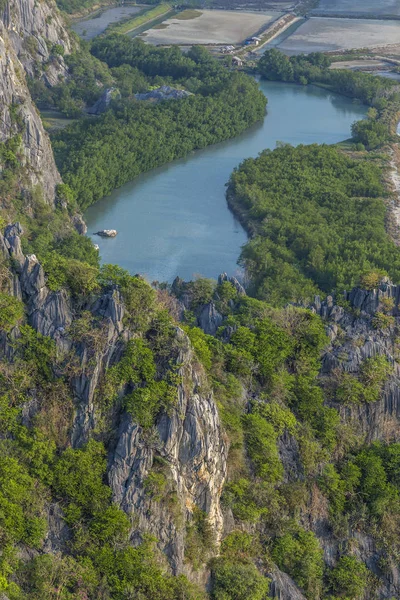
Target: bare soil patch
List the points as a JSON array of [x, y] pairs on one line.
[[332, 34], [211, 27], [360, 64]]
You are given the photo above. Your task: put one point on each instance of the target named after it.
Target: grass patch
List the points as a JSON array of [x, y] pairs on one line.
[[187, 15], [160, 26], [139, 20]]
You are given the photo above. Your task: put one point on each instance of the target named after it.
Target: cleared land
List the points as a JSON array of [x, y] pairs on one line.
[[210, 27], [90, 27], [367, 64], [328, 34], [379, 8]]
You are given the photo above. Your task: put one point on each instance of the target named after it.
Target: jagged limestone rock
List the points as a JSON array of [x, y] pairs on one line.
[[209, 319], [192, 443], [40, 166], [34, 28]]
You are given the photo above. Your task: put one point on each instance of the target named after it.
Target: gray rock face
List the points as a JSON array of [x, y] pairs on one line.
[[377, 420], [104, 101], [236, 284], [79, 224], [110, 308], [165, 92], [34, 27], [13, 242], [283, 587], [58, 534], [48, 312], [191, 442], [14, 96], [209, 319]]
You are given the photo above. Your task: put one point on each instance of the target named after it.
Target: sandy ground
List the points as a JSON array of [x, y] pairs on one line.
[[89, 28], [359, 64], [350, 7], [328, 34], [211, 27]]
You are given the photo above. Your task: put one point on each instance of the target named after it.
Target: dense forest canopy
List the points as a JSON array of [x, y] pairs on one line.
[[318, 218], [96, 156], [76, 6]]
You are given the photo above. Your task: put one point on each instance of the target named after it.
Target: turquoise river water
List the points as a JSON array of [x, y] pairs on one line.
[[174, 220]]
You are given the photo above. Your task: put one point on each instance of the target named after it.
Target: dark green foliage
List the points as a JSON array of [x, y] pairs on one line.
[[38, 351], [136, 293], [370, 133], [261, 441], [11, 311], [78, 479], [319, 220], [78, 276], [72, 6], [236, 581], [98, 156], [349, 578], [200, 539], [88, 78], [10, 164], [374, 373], [300, 555]]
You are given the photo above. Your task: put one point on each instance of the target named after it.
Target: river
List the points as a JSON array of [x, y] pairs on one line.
[[174, 220]]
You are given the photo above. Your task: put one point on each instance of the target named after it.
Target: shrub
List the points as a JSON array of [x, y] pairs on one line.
[[382, 321], [200, 539], [371, 280], [11, 311], [374, 373], [261, 439], [349, 578], [78, 479], [199, 342], [236, 581], [79, 277], [154, 485], [301, 556], [239, 546], [139, 297]]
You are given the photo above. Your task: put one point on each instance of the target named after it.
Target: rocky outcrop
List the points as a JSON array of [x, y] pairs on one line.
[[188, 440], [35, 29], [209, 319], [235, 282], [110, 309], [104, 101], [165, 92], [355, 339], [283, 587], [79, 224], [190, 443], [18, 115]]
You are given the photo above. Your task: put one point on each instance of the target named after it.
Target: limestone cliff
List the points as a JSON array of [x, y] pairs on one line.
[[28, 31], [34, 29], [189, 440]]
